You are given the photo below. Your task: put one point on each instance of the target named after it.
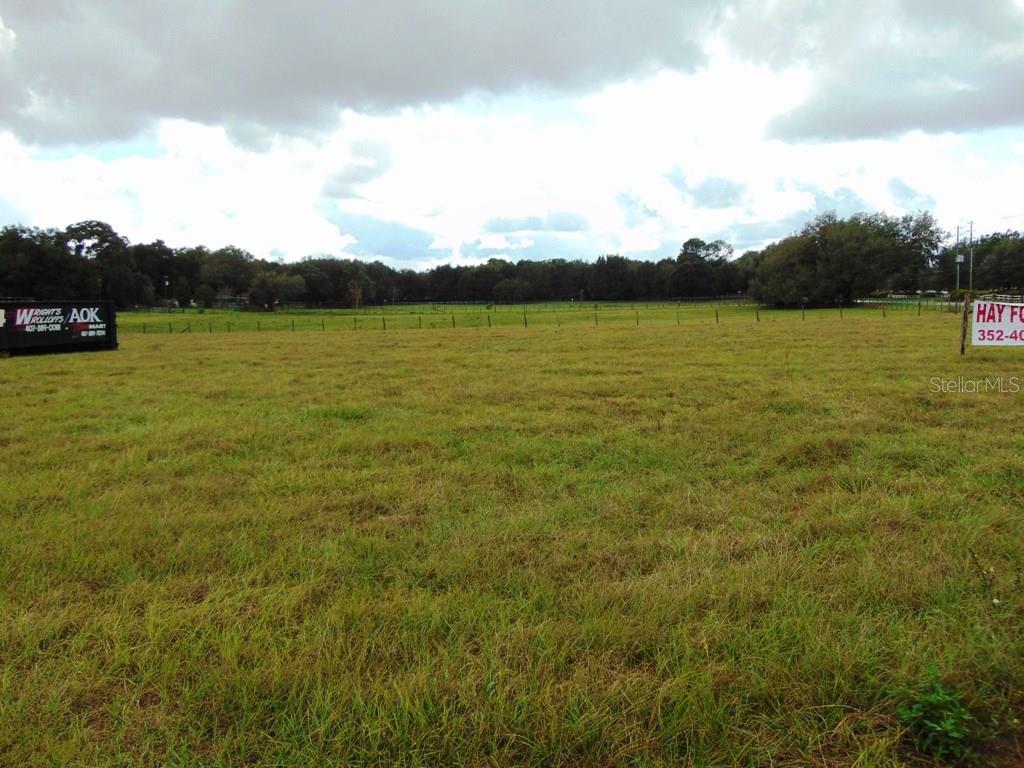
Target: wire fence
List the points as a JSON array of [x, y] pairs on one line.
[[523, 316]]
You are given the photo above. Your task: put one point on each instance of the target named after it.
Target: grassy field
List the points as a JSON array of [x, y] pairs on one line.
[[746, 543]]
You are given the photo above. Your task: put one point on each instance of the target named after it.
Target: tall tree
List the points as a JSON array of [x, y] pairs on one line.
[[120, 279], [273, 287], [229, 270], [36, 263]]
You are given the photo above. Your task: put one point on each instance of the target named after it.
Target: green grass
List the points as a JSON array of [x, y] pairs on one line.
[[702, 544]]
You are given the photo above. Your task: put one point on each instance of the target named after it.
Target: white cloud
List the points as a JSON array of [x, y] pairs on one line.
[[199, 189]]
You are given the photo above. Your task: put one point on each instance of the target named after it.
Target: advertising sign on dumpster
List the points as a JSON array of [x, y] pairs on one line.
[[57, 326]]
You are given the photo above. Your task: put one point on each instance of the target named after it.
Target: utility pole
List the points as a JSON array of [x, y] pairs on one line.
[[970, 281], [956, 257]]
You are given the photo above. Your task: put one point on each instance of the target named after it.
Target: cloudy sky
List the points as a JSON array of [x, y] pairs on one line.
[[426, 131]]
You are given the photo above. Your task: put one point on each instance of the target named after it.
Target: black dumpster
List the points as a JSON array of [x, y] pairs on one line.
[[56, 326]]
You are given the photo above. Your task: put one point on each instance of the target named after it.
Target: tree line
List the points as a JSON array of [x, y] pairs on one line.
[[830, 260]]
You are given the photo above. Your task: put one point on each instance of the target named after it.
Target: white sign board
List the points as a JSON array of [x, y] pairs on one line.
[[996, 324]]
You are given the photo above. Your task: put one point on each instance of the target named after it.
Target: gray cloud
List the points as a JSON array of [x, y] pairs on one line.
[[552, 222], [371, 160], [102, 69], [756, 234], [881, 68], [713, 192], [634, 210], [908, 198], [250, 135], [918, 98], [387, 240], [844, 201], [718, 192], [666, 249], [543, 246], [678, 180], [99, 70]]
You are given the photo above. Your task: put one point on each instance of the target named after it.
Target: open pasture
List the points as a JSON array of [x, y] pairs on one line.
[[704, 544]]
